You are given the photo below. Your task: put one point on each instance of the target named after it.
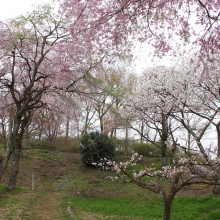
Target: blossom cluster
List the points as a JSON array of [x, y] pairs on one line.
[[183, 170], [118, 167]]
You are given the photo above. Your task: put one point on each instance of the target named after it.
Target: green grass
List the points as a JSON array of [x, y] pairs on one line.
[[3, 187], [21, 189], [201, 208], [121, 206], [44, 154], [184, 208], [2, 196], [100, 198]]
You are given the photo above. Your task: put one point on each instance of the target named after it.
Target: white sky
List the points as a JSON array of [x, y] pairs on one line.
[[13, 8]]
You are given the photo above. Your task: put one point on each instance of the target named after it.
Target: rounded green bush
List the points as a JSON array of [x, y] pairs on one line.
[[95, 147]]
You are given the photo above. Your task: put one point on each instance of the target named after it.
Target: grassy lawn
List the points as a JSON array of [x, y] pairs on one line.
[[39, 153], [198, 208], [184, 208], [121, 207], [65, 190]]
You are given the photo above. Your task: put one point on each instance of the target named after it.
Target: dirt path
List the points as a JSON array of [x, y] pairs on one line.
[[52, 202], [51, 196], [46, 207]]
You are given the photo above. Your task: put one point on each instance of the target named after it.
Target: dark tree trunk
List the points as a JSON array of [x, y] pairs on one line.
[[25, 139], [16, 156], [142, 132], [164, 154], [126, 140], [8, 149], [67, 129], [218, 136], [86, 126], [18, 138], [14, 170], [167, 207], [6, 158], [4, 133], [14, 147], [112, 133], [217, 187], [101, 125], [164, 136]]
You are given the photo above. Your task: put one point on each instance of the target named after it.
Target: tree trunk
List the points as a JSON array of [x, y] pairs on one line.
[[8, 149], [14, 146], [40, 134], [115, 133], [101, 125], [164, 136], [188, 141], [17, 148], [112, 133], [4, 133], [167, 207], [25, 139], [86, 126], [216, 190], [6, 158], [142, 132], [67, 129], [164, 154], [14, 170], [218, 138], [126, 140]]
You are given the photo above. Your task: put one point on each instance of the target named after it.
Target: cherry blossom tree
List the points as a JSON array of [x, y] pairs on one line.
[[27, 72], [201, 102], [178, 93], [184, 172], [168, 26], [211, 87], [39, 57], [171, 101], [152, 105]]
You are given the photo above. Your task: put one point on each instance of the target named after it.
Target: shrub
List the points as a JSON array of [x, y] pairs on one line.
[[58, 144], [40, 144], [146, 149], [64, 144], [95, 147]]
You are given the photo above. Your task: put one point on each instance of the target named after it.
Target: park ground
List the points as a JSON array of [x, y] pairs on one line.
[[64, 189]]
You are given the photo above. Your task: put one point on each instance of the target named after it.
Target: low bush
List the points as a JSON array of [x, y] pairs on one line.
[[69, 144], [40, 144], [146, 149], [58, 144], [95, 147]]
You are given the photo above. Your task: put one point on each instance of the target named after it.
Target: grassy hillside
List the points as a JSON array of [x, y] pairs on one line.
[[64, 189]]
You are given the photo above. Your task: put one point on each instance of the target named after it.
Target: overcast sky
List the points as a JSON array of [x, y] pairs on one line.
[[13, 8]]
